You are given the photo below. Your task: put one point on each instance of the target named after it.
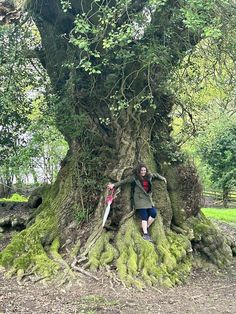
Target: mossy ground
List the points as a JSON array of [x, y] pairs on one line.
[[15, 198]]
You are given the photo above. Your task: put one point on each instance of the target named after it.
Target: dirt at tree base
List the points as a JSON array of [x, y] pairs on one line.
[[211, 292]]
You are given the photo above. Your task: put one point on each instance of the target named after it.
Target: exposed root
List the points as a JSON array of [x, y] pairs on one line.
[[126, 217], [38, 278], [91, 241], [113, 277], [57, 258], [210, 242], [178, 230], [83, 271]]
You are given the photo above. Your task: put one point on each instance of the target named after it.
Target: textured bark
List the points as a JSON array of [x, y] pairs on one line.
[[225, 197]]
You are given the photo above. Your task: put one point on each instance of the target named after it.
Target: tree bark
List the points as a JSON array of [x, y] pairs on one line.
[[225, 197]]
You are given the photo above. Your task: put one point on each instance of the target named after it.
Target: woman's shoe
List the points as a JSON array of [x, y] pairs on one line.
[[147, 237]]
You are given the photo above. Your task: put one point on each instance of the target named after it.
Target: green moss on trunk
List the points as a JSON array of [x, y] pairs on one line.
[[30, 249], [209, 241], [139, 262], [26, 249]]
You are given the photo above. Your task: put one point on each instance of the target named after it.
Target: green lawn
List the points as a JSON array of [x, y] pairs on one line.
[[224, 214], [15, 198]]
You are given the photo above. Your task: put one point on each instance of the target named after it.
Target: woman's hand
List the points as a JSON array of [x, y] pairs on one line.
[[110, 186], [164, 179]]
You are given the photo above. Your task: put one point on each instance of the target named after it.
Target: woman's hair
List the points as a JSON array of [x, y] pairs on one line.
[[137, 170]]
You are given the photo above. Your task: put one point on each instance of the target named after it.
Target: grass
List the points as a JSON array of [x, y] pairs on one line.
[[93, 304], [14, 198], [224, 214]]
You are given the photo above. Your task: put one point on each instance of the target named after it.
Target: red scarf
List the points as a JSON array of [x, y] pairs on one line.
[[145, 185]]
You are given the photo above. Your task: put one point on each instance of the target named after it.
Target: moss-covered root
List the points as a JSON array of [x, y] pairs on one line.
[[102, 253], [164, 262], [26, 252], [210, 242], [139, 262]]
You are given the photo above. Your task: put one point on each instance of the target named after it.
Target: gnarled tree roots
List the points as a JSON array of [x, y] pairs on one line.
[[166, 261], [138, 262]]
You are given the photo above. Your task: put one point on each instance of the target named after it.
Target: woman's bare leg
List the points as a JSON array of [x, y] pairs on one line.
[[144, 226], [150, 221]]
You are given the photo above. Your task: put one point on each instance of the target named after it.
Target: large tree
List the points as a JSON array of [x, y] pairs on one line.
[[110, 63]]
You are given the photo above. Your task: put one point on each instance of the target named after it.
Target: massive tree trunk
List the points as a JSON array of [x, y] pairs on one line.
[[111, 123]]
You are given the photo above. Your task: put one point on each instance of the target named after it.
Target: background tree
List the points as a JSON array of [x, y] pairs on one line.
[[38, 160], [110, 63], [17, 80], [219, 154], [45, 150], [204, 83], [30, 143]]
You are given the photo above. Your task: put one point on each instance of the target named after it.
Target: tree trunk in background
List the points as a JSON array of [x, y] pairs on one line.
[[225, 197], [4, 191], [6, 186]]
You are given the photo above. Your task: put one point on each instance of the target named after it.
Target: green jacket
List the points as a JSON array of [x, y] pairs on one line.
[[140, 198]]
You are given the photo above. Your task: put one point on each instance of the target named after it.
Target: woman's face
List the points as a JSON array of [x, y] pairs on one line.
[[143, 171]]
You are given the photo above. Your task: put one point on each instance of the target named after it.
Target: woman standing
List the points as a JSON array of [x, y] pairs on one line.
[[141, 183]]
